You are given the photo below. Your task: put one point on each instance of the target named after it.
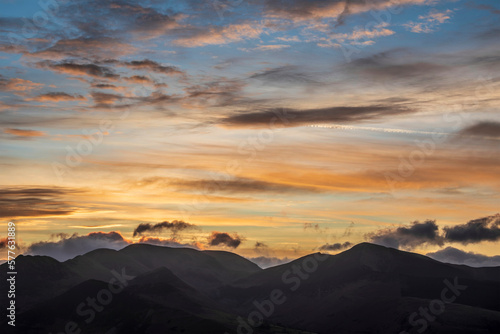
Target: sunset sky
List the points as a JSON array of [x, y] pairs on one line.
[[269, 128]]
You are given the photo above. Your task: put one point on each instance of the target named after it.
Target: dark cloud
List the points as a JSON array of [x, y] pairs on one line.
[[416, 234], [33, 202], [336, 246], [220, 92], [396, 67], [482, 129], [491, 34], [174, 227], [267, 262], [3, 243], [224, 239], [126, 20], [262, 248], [316, 228], [457, 256], [299, 9], [475, 231], [103, 86], [242, 185], [89, 48], [151, 66], [70, 246], [105, 99], [316, 10], [285, 75], [139, 79], [73, 68], [489, 8], [260, 245], [295, 117], [311, 226]]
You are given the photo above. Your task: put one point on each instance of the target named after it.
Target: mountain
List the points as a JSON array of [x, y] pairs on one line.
[[367, 289]]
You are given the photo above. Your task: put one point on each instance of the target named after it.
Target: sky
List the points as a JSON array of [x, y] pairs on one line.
[[272, 129]]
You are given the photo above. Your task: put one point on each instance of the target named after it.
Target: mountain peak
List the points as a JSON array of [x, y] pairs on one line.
[[367, 246]]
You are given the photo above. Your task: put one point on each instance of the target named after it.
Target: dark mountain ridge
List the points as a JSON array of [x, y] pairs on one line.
[[367, 289]]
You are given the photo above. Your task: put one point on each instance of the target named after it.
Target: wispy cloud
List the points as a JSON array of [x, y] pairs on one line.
[[24, 133], [429, 23]]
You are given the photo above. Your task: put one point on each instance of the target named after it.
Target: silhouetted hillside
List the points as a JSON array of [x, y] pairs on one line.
[[152, 289]]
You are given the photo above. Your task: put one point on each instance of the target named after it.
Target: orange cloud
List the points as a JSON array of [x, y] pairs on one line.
[[24, 133], [18, 85], [59, 97], [221, 35]]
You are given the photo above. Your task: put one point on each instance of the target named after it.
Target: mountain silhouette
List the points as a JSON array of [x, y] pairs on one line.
[[154, 289]]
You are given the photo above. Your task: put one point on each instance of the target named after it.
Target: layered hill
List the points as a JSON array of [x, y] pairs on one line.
[[153, 289]]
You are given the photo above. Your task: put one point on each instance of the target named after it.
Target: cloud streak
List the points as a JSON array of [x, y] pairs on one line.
[[301, 117]]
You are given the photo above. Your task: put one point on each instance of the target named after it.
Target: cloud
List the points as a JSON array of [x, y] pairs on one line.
[[174, 227], [220, 92], [311, 226], [427, 233], [428, 23], [130, 19], [270, 47], [91, 47], [217, 35], [151, 66], [58, 97], [73, 68], [70, 246], [296, 117], [224, 239], [380, 30], [307, 11], [260, 245], [482, 129], [24, 133], [105, 99], [489, 8], [457, 256], [475, 231], [240, 185], [3, 243], [262, 249], [302, 10], [18, 85], [336, 246], [417, 234], [267, 262], [139, 79], [388, 67], [35, 202], [285, 75]]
